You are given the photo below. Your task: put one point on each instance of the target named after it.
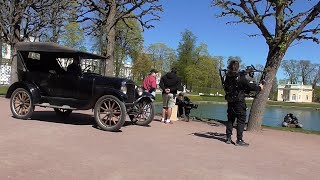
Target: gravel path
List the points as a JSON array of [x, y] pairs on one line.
[[47, 147]]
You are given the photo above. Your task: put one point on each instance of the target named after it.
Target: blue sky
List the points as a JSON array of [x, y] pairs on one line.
[[222, 40]]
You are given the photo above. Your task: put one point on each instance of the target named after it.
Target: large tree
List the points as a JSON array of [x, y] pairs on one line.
[[128, 41], [1, 44], [305, 68], [162, 56], [315, 75], [186, 54], [73, 35], [289, 25], [106, 14], [291, 68], [21, 20], [141, 66]]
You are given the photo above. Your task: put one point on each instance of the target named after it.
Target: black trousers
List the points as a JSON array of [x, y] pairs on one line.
[[236, 110]]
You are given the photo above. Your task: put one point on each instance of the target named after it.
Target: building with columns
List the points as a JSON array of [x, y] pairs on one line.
[[295, 93]]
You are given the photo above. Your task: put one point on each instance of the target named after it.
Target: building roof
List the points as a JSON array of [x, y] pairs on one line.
[[295, 87], [54, 48]]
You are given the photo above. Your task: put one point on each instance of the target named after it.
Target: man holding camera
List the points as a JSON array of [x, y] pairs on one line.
[[235, 87]]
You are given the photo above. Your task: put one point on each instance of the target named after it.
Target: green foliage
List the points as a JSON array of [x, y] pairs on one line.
[[197, 98], [162, 56], [204, 73], [3, 90], [195, 66], [186, 54], [129, 39], [73, 35], [141, 66], [317, 94]]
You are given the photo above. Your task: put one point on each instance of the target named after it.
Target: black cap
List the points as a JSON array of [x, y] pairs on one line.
[[153, 71]]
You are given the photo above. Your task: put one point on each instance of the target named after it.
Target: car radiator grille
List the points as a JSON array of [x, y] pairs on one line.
[[130, 92]]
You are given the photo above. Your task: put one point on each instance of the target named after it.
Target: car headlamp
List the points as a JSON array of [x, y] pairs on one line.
[[123, 87], [139, 91]]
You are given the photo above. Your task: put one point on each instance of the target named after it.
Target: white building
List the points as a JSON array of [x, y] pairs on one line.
[[126, 71], [295, 93]]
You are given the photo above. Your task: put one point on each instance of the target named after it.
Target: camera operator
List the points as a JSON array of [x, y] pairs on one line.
[[185, 105], [235, 86]]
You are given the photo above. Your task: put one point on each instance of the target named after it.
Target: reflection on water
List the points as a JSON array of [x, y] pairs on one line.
[[273, 115]]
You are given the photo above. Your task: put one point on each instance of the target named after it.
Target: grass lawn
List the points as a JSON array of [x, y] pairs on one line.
[[197, 98], [3, 90], [271, 103]]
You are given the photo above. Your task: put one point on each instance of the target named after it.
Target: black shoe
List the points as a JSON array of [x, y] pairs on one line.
[[241, 143], [228, 141]]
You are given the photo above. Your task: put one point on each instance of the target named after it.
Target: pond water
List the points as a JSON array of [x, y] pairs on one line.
[[273, 115]]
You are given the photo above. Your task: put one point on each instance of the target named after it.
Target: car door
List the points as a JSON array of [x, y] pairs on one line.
[[84, 87], [61, 85]]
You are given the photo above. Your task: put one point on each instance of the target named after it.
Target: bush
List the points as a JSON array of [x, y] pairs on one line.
[[3, 90]]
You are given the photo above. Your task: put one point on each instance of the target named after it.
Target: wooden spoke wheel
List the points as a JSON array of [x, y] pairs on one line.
[[110, 113], [21, 104], [145, 113]]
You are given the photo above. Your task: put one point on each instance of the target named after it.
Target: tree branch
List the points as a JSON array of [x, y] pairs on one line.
[[313, 14]]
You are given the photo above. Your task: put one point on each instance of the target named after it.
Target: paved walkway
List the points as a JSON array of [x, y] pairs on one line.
[[47, 147]]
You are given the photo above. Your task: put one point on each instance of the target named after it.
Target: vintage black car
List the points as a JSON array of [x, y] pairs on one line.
[[46, 80]]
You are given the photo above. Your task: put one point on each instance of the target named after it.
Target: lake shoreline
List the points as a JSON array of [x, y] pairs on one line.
[[249, 104]]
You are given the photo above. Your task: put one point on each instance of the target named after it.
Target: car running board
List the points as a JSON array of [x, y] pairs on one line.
[[53, 106]]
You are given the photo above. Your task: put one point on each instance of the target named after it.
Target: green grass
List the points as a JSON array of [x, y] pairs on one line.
[[293, 104], [3, 90], [197, 98], [300, 130], [271, 103]]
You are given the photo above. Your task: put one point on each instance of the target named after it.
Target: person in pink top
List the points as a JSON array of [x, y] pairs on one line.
[[150, 82]]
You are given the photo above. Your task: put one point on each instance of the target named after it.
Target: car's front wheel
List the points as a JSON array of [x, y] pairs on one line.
[[21, 104], [145, 113], [110, 113]]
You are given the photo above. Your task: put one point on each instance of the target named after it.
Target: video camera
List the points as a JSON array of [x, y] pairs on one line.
[[185, 103], [188, 104], [250, 71]]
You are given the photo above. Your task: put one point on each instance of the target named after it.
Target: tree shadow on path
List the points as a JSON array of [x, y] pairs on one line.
[[211, 135]]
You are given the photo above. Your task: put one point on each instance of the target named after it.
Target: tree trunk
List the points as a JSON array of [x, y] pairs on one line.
[[258, 106], [111, 39], [16, 39], [1, 44]]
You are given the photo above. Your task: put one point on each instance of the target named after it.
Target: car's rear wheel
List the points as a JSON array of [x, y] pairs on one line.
[[145, 115], [63, 112], [21, 104], [110, 113]]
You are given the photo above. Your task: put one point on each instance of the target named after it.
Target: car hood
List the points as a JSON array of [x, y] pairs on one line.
[[100, 80]]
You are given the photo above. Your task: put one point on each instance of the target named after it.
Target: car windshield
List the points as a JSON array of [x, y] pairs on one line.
[[87, 65]]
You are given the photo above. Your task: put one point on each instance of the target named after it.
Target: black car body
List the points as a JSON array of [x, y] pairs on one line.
[[43, 81]]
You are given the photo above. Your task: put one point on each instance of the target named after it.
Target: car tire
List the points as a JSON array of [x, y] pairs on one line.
[[139, 119], [109, 108], [21, 104], [62, 112]]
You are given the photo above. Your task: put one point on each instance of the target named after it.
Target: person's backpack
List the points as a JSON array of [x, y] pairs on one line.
[[231, 88]]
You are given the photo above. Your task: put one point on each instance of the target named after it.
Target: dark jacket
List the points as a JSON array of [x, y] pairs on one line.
[[171, 81], [238, 85]]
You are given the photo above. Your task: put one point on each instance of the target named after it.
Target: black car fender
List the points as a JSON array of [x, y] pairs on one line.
[[32, 88], [145, 95], [109, 91]]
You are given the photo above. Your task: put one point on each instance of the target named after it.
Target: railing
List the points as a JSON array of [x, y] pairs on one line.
[[5, 72]]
